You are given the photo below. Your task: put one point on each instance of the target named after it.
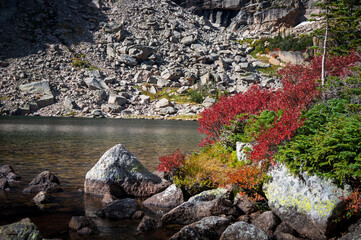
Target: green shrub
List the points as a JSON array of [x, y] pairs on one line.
[[328, 145], [196, 96]]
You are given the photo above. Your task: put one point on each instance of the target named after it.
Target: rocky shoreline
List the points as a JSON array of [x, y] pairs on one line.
[[130, 191], [103, 61]]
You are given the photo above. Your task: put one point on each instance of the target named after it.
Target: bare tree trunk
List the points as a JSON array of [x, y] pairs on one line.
[[323, 73]]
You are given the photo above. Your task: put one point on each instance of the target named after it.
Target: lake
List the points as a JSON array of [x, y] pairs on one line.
[[69, 147]]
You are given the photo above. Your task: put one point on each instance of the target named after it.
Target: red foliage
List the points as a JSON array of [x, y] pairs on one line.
[[298, 92], [353, 203], [172, 162]]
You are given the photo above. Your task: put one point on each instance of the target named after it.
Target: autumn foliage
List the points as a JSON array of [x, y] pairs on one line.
[[170, 163], [298, 92]]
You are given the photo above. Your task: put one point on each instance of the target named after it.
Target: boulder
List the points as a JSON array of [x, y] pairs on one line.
[[354, 232], [141, 52], [121, 174], [8, 172], [41, 87], [45, 100], [246, 205], [117, 100], [284, 232], [267, 222], [82, 225], [162, 103], [308, 204], [45, 181], [108, 198], [69, 103], [208, 203], [169, 198], [94, 83], [22, 230], [244, 231], [42, 197], [4, 184], [119, 209], [148, 224], [291, 57], [127, 60], [206, 229]]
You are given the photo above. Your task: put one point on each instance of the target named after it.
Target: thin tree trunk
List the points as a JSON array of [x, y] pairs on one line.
[[323, 73]]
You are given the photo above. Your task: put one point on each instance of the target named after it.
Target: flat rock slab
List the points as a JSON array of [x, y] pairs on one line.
[[119, 209], [121, 174], [41, 87]]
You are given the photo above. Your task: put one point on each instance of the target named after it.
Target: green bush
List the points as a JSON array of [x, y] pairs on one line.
[[196, 96], [328, 145]]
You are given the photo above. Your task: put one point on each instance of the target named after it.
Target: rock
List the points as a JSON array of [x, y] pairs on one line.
[[309, 205], [44, 101], [108, 198], [208, 102], [167, 111], [259, 64], [188, 40], [4, 184], [284, 232], [354, 234], [169, 198], [141, 52], [206, 229], [162, 103], [138, 215], [127, 60], [245, 204], [119, 209], [241, 149], [8, 172], [42, 87], [69, 103], [82, 225], [120, 173], [112, 27], [42, 197], [291, 57], [118, 100], [22, 230], [95, 83], [148, 224], [208, 203], [244, 231], [267, 222], [45, 181], [111, 108]]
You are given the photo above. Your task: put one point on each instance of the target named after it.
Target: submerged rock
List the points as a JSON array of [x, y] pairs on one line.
[[309, 205], [119, 209], [121, 174], [45, 181], [42, 197], [148, 224], [82, 225], [8, 172], [22, 230]]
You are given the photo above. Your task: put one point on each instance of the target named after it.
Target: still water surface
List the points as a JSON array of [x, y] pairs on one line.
[[69, 147]]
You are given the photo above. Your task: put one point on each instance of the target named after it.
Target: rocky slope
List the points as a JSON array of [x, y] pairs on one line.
[[82, 58]]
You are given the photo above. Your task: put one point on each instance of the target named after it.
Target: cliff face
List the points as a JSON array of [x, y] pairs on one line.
[[253, 17]]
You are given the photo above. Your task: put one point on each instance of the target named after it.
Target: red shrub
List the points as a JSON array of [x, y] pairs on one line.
[[353, 203], [298, 92], [172, 162]]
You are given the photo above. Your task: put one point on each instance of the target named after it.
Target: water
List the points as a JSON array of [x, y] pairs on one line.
[[69, 147]]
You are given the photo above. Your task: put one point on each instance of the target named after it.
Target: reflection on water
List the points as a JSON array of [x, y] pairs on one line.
[[70, 147]]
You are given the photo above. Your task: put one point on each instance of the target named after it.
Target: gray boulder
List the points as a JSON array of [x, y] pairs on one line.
[[244, 231], [69, 103], [119, 209], [45, 100], [208, 203], [354, 232], [94, 83], [206, 229], [148, 224], [42, 197], [41, 87], [82, 225], [121, 174], [117, 100], [141, 52], [45, 181], [8, 172], [127, 60], [169, 198], [4, 184], [309, 205], [163, 103], [22, 230]]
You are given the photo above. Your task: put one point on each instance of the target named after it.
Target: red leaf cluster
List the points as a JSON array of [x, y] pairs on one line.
[[170, 163], [298, 92]]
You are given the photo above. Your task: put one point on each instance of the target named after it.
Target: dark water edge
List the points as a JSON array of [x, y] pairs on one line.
[[69, 147]]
